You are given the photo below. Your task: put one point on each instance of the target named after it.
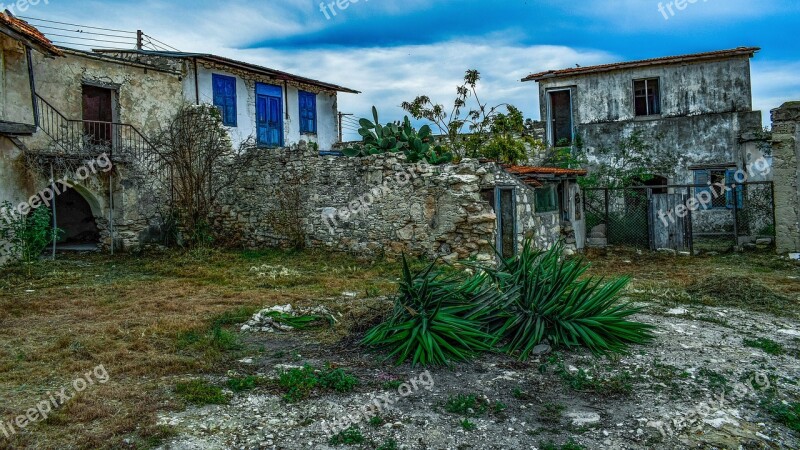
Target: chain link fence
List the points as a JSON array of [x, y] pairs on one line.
[[688, 218]]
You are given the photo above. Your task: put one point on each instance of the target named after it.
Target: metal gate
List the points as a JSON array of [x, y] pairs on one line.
[[685, 218]]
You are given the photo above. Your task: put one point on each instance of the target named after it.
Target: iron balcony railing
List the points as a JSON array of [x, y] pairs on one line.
[[92, 137]]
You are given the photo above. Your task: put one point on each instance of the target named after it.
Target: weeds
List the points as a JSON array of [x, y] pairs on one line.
[[767, 345], [389, 444], [200, 392], [467, 425], [350, 436], [243, 384], [300, 383], [466, 405], [552, 413]]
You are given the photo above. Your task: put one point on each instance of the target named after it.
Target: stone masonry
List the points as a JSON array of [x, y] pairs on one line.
[[786, 154]]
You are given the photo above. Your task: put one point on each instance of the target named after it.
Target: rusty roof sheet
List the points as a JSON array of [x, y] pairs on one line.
[[533, 170], [19, 29], [739, 51]]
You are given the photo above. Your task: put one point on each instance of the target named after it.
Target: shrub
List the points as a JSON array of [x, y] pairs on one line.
[[546, 300], [349, 436], [26, 237], [433, 322], [300, 383]]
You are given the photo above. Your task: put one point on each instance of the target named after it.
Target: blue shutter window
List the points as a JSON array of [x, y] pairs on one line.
[[308, 112], [702, 181], [225, 98], [730, 180]]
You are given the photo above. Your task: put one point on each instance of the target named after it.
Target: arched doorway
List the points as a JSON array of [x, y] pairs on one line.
[[75, 218]]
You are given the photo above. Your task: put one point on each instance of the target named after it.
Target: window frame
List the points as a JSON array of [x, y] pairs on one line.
[[728, 176], [304, 121], [657, 102], [554, 198], [221, 100]]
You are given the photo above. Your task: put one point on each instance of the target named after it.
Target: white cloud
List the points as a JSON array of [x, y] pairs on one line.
[[773, 85]]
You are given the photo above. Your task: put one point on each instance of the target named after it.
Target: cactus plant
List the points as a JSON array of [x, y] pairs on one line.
[[397, 138]]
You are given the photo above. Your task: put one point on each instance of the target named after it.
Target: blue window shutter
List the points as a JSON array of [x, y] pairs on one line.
[[225, 98], [730, 180], [308, 112], [702, 178]]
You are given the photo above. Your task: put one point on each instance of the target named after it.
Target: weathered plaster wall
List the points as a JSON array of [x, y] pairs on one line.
[[145, 98], [786, 152], [686, 90], [327, 110], [686, 141], [15, 88], [417, 209]]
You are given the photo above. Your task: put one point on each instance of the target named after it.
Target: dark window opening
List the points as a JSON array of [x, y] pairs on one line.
[[546, 198], [647, 97], [98, 115], [561, 118]]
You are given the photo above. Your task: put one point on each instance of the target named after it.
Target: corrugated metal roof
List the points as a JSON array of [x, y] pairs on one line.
[[740, 51], [19, 29]]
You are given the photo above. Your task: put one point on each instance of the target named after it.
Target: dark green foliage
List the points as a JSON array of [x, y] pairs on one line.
[[466, 405], [434, 321], [547, 300], [398, 138], [26, 237], [243, 384], [467, 425], [300, 383], [350, 436], [376, 421], [390, 444], [768, 345], [199, 392], [787, 414]]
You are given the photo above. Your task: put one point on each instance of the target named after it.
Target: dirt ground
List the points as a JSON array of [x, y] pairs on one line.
[[722, 373]]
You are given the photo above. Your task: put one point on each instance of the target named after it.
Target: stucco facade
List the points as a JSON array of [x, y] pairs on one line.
[[700, 111]]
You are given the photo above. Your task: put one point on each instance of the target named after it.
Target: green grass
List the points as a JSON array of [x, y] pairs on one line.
[[767, 345], [617, 384], [350, 436], [240, 384], [200, 392], [389, 444], [467, 425], [571, 445], [376, 421], [787, 414], [552, 413], [466, 405], [299, 384]]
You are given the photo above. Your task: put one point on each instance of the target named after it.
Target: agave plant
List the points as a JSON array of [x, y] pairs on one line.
[[397, 138], [546, 299], [433, 321]]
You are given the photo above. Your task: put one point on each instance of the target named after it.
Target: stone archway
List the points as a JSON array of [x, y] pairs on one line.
[[75, 215]]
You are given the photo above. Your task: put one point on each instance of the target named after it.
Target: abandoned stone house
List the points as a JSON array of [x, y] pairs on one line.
[[68, 106], [695, 114]]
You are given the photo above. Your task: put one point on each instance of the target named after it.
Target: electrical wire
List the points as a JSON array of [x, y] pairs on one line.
[[93, 40], [76, 25], [162, 43], [81, 32]]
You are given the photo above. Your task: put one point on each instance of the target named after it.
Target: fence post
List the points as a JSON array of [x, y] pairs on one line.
[[735, 217], [608, 222]]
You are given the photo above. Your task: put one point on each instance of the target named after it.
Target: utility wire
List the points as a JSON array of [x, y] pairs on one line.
[[82, 32], [94, 40], [76, 25], [162, 43]]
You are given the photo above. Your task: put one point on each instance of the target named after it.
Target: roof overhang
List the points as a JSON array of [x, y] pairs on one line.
[[669, 60], [26, 33]]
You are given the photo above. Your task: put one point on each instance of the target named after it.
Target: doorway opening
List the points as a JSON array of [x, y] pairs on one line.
[[560, 111], [98, 115], [75, 218]]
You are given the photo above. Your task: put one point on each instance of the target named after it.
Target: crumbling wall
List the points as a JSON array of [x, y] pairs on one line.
[[786, 162], [375, 205]]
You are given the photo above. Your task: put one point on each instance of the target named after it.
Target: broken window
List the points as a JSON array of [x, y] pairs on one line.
[[546, 198], [647, 97], [719, 182]]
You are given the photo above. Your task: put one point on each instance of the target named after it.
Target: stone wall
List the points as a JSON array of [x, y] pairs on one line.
[[786, 161], [376, 205]]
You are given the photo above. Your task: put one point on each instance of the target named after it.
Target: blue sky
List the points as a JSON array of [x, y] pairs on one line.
[[395, 50]]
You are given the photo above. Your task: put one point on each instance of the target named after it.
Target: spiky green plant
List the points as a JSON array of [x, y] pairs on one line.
[[433, 321], [547, 299]]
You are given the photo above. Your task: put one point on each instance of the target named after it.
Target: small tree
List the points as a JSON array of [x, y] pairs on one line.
[[197, 148], [24, 238], [631, 161]]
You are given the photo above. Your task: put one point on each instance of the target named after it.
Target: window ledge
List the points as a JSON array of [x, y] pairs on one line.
[[650, 117]]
